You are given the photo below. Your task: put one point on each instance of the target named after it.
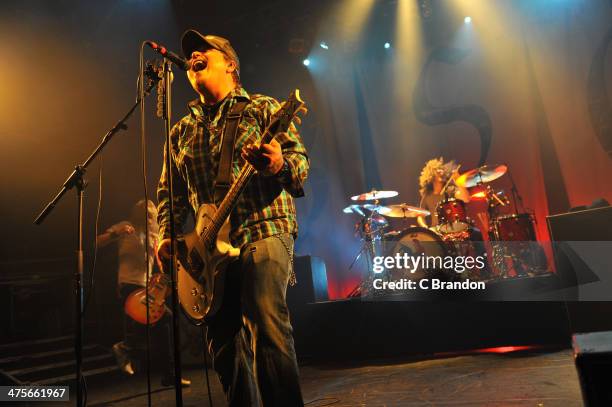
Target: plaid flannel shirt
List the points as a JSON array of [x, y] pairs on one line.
[[266, 206]]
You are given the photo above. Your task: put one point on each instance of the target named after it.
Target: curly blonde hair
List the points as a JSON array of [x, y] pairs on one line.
[[428, 173]]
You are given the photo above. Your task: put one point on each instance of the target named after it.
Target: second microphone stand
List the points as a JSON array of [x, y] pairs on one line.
[[167, 114], [76, 180]]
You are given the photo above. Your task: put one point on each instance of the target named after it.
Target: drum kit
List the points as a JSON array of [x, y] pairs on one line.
[[455, 228]]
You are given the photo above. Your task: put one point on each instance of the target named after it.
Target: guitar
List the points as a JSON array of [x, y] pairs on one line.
[[135, 303], [204, 254]]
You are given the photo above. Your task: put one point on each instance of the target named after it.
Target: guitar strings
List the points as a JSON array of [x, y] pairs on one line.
[[244, 174]]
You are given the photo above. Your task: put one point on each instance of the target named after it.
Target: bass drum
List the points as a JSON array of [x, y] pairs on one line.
[[513, 228], [416, 242]]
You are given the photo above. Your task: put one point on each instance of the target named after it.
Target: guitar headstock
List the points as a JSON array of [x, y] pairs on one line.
[[288, 112], [294, 106]]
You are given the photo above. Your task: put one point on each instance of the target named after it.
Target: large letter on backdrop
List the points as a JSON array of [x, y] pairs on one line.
[[599, 103], [470, 113]]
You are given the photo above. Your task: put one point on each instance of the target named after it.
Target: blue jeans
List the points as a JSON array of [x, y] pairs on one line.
[[251, 338]]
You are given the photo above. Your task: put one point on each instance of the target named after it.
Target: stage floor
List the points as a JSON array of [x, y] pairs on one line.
[[526, 378]]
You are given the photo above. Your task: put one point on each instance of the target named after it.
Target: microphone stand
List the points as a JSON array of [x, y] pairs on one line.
[[178, 388], [515, 195], [75, 180]]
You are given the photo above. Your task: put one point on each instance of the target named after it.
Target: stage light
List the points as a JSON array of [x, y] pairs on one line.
[[467, 20], [478, 192], [324, 45], [479, 195], [306, 62], [387, 45], [354, 15]]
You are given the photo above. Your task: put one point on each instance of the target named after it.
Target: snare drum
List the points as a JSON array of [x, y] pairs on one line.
[[518, 228], [452, 216]]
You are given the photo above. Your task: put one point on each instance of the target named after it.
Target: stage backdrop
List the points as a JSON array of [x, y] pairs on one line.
[[528, 85]]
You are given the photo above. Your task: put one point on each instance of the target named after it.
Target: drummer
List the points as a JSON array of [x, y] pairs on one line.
[[434, 177]]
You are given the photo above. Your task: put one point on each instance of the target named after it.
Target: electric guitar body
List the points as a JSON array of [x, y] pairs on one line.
[[135, 304], [201, 269]]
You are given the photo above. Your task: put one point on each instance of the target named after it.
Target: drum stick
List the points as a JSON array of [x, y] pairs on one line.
[[449, 180], [502, 203]]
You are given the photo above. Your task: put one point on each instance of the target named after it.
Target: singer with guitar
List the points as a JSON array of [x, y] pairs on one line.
[[249, 333]]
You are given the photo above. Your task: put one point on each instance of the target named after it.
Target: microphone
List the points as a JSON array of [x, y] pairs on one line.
[[177, 60]]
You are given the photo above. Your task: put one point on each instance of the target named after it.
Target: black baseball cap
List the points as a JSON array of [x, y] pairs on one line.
[[192, 40]]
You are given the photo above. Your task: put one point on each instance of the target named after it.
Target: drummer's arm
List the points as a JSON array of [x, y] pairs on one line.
[[421, 219]]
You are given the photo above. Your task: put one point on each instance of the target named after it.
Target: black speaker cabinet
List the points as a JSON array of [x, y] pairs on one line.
[[593, 357], [582, 243], [311, 284], [586, 225]]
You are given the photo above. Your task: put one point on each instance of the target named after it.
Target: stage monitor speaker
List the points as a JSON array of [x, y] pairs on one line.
[[311, 284], [586, 225], [569, 232], [582, 242], [593, 357]]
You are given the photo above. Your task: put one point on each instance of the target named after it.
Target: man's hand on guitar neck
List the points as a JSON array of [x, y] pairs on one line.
[[267, 159]]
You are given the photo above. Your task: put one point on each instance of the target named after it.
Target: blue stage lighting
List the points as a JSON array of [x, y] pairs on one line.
[[306, 62], [324, 45], [387, 45]]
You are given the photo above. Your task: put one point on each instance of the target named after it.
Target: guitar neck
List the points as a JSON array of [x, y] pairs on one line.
[[228, 203]]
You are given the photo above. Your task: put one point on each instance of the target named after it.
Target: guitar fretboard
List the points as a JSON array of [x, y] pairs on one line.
[[228, 203]]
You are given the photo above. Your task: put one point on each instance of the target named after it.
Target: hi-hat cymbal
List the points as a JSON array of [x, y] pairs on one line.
[[358, 209], [403, 211], [374, 194], [364, 209], [484, 174], [372, 212]]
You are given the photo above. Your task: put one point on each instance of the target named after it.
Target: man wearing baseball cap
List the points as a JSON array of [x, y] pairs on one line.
[[250, 337]]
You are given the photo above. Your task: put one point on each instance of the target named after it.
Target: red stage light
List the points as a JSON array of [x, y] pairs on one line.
[[505, 349], [496, 350], [478, 192], [479, 195]]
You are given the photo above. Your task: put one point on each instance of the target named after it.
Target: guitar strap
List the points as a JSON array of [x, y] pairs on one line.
[[228, 140]]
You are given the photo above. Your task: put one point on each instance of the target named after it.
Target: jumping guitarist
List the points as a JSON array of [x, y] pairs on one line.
[[250, 336], [129, 237]]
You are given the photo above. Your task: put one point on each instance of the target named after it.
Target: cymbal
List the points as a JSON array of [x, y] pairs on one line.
[[403, 211], [484, 174], [364, 209], [379, 219], [358, 209], [374, 194]]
